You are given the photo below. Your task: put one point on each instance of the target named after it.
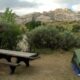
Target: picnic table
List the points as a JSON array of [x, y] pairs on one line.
[[20, 56]]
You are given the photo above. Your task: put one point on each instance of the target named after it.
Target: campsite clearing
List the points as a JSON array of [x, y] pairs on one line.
[[53, 66]]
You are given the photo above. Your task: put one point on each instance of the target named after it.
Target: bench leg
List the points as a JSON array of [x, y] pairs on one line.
[[12, 69], [8, 59], [27, 62], [18, 60]]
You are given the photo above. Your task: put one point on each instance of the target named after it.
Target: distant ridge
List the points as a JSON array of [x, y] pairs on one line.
[[50, 16]]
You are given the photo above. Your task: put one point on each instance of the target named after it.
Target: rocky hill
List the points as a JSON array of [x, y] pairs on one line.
[[56, 15]]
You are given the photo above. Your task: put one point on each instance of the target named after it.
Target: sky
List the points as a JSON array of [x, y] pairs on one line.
[[22, 7]]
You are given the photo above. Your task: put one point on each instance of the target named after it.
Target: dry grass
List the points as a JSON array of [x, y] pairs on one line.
[[55, 66]]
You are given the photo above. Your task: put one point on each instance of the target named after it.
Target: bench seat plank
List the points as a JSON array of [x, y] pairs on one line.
[[9, 63], [12, 66]]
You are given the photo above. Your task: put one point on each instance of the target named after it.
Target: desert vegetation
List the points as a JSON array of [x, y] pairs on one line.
[[53, 35], [10, 31]]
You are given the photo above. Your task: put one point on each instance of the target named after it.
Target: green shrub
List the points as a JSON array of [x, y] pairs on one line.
[[60, 28], [10, 34], [77, 44], [50, 37], [43, 37], [76, 28], [66, 40]]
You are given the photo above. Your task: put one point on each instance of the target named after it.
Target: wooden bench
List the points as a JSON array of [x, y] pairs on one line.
[[12, 66], [20, 56]]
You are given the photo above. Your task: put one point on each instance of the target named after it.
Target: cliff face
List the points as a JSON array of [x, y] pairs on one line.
[[56, 15], [65, 15]]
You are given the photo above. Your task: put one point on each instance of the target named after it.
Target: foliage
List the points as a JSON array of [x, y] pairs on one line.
[[10, 34], [60, 28], [8, 16], [77, 44], [76, 28], [50, 37], [33, 24], [66, 40], [43, 37]]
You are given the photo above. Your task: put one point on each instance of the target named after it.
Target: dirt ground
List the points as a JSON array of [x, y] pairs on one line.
[[55, 66]]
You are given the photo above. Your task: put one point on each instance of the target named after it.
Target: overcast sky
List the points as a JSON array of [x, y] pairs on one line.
[[22, 7]]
